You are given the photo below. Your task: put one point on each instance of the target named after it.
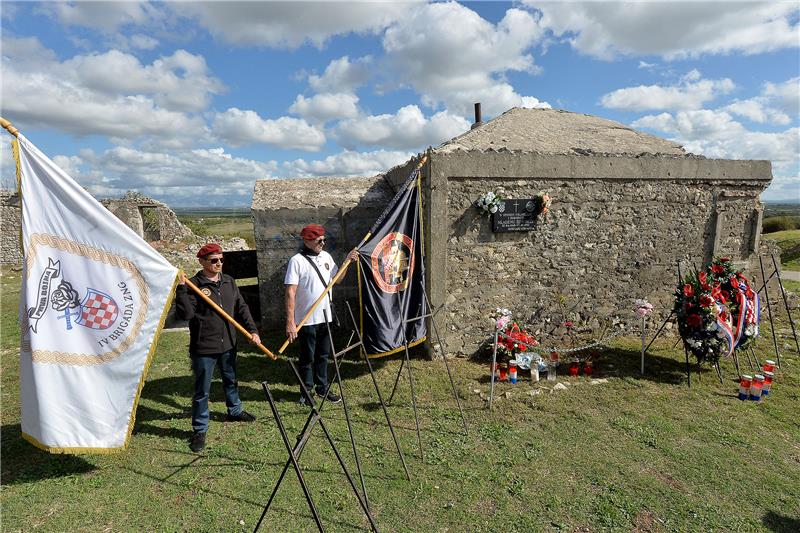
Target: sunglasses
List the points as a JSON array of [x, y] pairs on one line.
[[215, 260], [321, 240]]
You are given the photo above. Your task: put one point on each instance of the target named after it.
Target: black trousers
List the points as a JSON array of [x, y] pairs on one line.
[[315, 348]]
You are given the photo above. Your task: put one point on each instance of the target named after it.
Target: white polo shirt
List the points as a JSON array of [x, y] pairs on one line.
[[300, 272]]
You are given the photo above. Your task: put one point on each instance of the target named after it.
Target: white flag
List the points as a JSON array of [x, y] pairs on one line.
[[94, 298]]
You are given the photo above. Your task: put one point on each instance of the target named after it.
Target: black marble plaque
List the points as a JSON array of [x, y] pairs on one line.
[[515, 215]]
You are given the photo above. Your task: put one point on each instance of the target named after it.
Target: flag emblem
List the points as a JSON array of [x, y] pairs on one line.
[[98, 310], [393, 262]]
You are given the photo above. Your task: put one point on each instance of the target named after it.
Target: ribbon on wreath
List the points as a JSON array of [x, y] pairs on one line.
[[724, 327]]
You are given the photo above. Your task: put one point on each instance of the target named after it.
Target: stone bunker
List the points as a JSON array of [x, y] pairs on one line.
[[628, 208]]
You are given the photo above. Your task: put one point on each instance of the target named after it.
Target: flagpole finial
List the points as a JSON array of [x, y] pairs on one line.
[[9, 126]]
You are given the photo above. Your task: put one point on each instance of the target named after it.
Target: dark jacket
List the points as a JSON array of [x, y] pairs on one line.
[[209, 333]]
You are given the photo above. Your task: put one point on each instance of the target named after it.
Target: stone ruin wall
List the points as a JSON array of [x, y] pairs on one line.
[[346, 207], [10, 227], [150, 219], [605, 242]]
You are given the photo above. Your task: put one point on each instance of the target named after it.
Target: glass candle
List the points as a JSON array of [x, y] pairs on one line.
[[512, 372], [587, 367], [503, 373], [769, 366], [744, 386], [767, 382], [756, 388], [574, 367]]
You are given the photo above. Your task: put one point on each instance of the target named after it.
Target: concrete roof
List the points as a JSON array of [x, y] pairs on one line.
[[554, 131], [297, 193]]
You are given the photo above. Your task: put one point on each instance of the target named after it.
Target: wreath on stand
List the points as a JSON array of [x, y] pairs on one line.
[[718, 312]]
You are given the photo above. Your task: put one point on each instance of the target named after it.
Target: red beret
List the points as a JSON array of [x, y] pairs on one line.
[[311, 232], [208, 249]]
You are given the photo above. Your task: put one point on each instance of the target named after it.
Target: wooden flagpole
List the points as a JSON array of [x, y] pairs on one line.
[[9, 126], [339, 274], [224, 315]]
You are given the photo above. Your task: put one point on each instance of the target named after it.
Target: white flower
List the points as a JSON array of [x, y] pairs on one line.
[[489, 196], [493, 208]]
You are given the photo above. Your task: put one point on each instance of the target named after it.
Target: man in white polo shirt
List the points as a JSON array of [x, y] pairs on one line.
[[307, 275]]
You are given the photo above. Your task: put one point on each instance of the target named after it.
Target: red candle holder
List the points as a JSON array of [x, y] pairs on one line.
[[574, 368], [588, 367], [503, 373]]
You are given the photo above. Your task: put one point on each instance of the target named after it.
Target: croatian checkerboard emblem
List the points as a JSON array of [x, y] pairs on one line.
[[67, 328]]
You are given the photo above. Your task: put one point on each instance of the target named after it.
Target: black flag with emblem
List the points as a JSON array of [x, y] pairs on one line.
[[391, 276]]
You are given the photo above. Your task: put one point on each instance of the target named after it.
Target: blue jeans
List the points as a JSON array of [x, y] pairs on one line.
[[315, 347], [203, 369]]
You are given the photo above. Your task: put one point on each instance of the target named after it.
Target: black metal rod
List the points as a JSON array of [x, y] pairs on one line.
[[758, 363], [766, 280], [446, 364], [719, 372], [378, 392], [346, 410], [736, 362], [293, 460], [299, 447], [659, 330], [688, 369], [333, 446], [786, 305], [397, 380], [413, 399], [769, 312]]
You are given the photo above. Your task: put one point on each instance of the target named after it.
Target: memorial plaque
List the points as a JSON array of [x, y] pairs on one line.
[[515, 215]]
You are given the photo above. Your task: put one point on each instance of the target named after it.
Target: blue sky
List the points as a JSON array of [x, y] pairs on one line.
[[190, 103]]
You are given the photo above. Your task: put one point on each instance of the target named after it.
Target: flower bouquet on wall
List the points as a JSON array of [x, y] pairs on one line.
[[718, 312]]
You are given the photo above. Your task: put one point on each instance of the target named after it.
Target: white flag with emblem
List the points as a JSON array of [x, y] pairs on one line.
[[94, 298]]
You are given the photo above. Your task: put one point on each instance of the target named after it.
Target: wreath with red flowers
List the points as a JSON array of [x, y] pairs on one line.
[[512, 340], [718, 312]]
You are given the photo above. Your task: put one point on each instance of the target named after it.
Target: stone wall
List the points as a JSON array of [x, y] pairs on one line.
[[10, 227], [346, 207], [150, 219], [616, 231]]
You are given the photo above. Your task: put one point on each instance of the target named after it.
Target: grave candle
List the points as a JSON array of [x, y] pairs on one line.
[[744, 386], [756, 387], [767, 382]]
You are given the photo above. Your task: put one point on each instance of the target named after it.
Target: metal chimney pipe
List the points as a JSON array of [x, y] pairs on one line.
[[478, 120]]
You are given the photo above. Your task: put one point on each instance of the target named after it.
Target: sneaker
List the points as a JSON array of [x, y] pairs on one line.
[[333, 398], [303, 399], [197, 443], [244, 416]]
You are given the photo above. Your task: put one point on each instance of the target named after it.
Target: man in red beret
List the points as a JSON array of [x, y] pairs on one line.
[[308, 274], [212, 339]]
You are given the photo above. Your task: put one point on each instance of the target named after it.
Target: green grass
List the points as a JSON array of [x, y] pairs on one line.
[[228, 225], [789, 242], [632, 454]]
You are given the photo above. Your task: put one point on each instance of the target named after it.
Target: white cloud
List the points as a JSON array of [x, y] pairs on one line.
[[240, 127], [326, 106], [109, 94], [105, 16], [451, 55], [342, 76], [408, 129], [213, 176], [347, 163], [716, 134], [758, 109], [691, 93], [786, 95], [672, 29], [288, 24]]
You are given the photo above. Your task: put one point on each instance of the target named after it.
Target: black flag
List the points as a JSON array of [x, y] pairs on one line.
[[391, 276]]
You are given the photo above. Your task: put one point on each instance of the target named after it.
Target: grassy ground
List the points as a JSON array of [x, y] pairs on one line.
[[228, 225], [789, 242], [633, 454]]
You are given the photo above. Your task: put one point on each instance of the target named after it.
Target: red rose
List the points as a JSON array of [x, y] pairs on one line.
[[706, 301], [734, 282], [694, 320], [568, 324], [706, 287], [688, 290], [717, 269], [703, 277]]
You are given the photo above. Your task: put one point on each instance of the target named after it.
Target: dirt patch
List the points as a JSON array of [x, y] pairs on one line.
[[646, 522]]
